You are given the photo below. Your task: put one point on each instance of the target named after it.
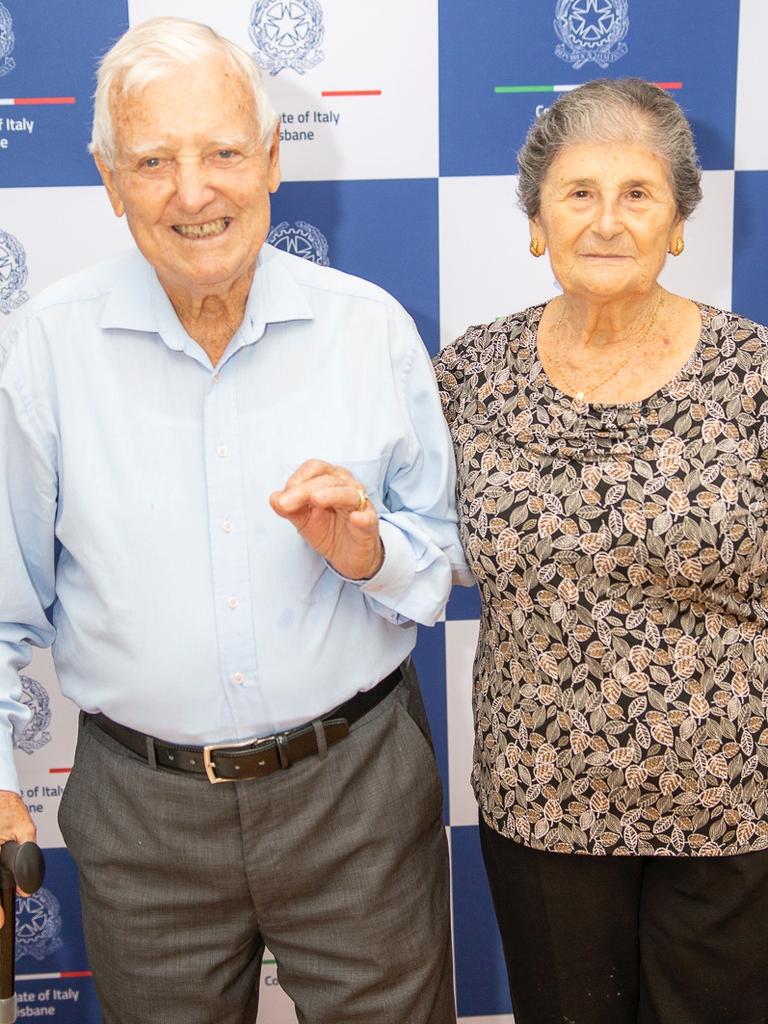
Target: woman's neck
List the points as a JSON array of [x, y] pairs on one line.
[[599, 326], [610, 353]]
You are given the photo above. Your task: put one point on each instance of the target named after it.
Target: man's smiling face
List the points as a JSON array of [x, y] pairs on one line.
[[193, 178]]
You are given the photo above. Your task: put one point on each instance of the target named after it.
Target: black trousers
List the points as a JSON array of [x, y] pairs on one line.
[[631, 940]]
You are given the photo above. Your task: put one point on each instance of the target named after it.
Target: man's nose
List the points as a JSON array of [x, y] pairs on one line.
[[193, 186]]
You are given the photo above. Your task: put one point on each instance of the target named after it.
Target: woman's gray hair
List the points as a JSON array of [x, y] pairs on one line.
[[156, 49], [608, 110]]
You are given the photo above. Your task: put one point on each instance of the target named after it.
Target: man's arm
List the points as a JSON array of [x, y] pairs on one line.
[[401, 555], [27, 515]]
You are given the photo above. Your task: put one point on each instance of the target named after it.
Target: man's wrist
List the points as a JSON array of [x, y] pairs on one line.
[[375, 566]]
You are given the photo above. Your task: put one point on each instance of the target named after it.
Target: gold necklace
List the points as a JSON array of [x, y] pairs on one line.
[[581, 395]]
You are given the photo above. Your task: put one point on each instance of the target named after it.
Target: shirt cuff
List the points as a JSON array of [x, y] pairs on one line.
[[397, 570], [9, 777]]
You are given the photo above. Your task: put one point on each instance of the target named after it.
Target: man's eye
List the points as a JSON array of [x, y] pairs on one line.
[[152, 165], [225, 155]]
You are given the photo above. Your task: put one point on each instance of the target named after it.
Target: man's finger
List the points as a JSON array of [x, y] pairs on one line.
[[314, 468], [296, 498], [344, 497]]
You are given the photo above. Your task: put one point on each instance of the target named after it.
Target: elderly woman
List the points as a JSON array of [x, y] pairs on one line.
[[612, 448]]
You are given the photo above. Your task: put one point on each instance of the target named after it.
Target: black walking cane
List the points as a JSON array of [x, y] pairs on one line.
[[21, 865]]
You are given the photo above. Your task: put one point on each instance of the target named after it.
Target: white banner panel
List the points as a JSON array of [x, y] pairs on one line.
[[342, 76], [58, 231], [460, 644], [751, 139]]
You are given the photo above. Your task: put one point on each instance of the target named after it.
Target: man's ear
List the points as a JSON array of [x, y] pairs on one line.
[[273, 173], [108, 177]]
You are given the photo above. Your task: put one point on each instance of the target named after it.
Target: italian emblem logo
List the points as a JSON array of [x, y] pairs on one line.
[[36, 734], [591, 30], [7, 40], [13, 273], [38, 925], [300, 239], [287, 34]]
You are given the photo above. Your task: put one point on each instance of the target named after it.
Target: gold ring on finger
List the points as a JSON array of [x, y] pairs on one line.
[[363, 499]]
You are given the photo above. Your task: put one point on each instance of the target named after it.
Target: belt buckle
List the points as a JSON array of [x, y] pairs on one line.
[[211, 748]]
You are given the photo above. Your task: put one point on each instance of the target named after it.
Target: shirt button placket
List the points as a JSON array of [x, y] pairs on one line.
[[226, 507]]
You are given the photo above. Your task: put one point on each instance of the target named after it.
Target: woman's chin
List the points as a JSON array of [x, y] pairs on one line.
[[605, 284]]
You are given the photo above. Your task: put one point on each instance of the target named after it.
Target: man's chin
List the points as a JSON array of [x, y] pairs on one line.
[[201, 279]]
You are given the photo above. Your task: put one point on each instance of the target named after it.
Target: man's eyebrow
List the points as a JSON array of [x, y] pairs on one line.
[[233, 140], [146, 147], [159, 146]]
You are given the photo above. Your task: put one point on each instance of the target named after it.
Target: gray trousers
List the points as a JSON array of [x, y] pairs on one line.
[[339, 864]]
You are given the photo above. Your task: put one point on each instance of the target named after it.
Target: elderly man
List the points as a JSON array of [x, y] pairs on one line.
[[223, 610]]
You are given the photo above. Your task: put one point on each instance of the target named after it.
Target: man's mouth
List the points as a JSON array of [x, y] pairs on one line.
[[207, 230]]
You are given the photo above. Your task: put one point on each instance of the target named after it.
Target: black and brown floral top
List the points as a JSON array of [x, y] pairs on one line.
[[621, 676]]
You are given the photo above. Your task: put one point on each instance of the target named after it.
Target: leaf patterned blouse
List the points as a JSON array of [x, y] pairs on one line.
[[621, 552]]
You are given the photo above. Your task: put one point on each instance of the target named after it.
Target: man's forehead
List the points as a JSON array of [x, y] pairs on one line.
[[213, 83], [175, 110]]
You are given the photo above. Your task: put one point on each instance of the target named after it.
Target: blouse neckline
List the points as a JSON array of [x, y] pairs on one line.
[[583, 407]]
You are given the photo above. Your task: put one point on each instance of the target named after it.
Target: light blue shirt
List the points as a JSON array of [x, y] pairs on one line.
[[135, 530]]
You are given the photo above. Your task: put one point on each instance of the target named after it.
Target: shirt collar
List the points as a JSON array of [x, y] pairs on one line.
[[138, 302], [275, 297]]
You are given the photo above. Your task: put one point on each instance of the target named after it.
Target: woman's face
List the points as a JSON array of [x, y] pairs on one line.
[[608, 216]]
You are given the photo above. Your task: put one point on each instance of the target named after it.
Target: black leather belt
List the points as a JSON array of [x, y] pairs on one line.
[[231, 762]]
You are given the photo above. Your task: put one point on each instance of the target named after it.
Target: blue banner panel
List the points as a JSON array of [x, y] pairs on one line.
[[53, 981], [464, 603], [385, 231], [503, 61], [48, 58], [429, 658], [750, 231], [481, 975]]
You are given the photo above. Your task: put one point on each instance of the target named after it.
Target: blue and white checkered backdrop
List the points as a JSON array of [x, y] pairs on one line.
[[401, 119]]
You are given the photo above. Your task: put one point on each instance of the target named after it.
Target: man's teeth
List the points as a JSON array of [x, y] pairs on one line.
[[213, 227]]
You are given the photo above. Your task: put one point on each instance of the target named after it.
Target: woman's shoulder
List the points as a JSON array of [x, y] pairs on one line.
[[735, 343], [480, 344], [729, 322]]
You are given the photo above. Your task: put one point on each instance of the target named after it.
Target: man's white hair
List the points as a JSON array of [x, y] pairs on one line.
[[156, 49]]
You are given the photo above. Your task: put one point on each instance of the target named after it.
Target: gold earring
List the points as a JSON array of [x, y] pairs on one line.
[[534, 248], [677, 247]]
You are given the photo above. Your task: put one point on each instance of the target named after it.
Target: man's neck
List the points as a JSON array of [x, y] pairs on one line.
[[212, 319]]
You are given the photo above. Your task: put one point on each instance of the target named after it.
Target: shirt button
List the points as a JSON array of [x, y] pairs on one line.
[[226, 526], [216, 377], [222, 451], [238, 678], [232, 602]]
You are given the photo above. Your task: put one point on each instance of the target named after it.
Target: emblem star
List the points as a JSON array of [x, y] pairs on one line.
[[287, 24], [592, 19]]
